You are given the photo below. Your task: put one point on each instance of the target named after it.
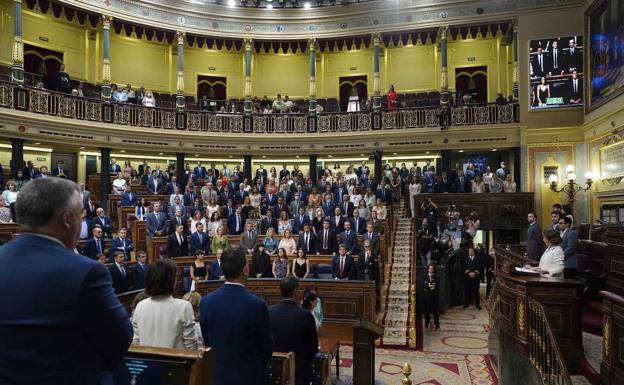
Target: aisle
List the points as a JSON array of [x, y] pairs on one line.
[[396, 315]]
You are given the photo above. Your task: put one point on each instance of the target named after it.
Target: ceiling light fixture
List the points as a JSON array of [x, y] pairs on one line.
[[461, 150], [494, 149], [36, 143], [307, 5], [231, 3]]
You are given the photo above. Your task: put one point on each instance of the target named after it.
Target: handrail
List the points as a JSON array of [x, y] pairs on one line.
[[67, 106], [544, 352]]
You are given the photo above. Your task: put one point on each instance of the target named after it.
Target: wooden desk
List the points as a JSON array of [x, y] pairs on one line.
[[139, 235], [8, 231]]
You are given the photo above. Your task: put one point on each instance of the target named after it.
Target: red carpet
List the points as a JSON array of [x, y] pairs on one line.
[[592, 318]]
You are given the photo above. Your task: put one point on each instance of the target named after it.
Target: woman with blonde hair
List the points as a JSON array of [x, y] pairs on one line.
[[288, 243], [194, 298]]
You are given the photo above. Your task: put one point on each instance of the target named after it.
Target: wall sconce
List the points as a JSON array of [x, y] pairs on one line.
[[571, 188]]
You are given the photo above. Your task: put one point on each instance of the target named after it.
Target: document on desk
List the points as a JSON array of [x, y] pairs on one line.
[[524, 270]]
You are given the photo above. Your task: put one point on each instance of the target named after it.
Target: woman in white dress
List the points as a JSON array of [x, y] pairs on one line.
[[477, 185], [211, 207], [350, 175], [509, 186], [198, 218], [119, 184], [551, 263], [415, 187]]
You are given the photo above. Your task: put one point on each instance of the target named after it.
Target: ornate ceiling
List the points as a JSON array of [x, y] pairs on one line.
[[216, 18]]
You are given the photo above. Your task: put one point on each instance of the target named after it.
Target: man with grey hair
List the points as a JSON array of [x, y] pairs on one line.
[[60, 321]]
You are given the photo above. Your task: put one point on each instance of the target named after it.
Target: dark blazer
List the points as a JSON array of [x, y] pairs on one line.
[[294, 330], [173, 222], [129, 199], [277, 210], [374, 240], [156, 223], [534, 243], [200, 172], [56, 172], [196, 244], [372, 265], [299, 222], [105, 223], [339, 192], [349, 267], [30, 173], [385, 195], [151, 189], [90, 248], [476, 265], [74, 332], [261, 264], [460, 187], [332, 245], [189, 198], [138, 275], [118, 245], [349, 240], [265, 224], [337, 227], [247, 242], [569, 243], [121, 283], [232, 224], [227, 211], [361, 225], [115, 168], [239, 197], [174, 249], [328, 208], [349, 211], [270, 199], [91, 213], [215, 270], [311, 247]]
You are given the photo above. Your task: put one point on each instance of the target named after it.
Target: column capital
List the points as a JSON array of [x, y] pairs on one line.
[[247, 42], [443, 30], [106, 21], [514, 25], [376, 38], [17, 1], [312, 42], [180, 35]]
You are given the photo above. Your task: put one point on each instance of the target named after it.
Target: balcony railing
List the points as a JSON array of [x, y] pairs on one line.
[[94, 110]]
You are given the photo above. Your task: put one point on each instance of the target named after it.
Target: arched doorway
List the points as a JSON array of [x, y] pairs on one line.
[[41, 65], [473, 81], [352, 84], [214, 88]]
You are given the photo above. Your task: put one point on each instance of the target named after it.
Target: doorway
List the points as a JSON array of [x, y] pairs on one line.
[[70, 164], [473, 81], [352, 86], [41, 65], [214, 88]]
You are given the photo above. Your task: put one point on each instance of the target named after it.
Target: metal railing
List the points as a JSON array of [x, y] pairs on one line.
[[544, 352], [58, 104]]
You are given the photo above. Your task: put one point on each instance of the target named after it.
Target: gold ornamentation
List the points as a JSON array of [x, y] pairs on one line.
[[106, 72], [407, 372], [106, 21], [180, 83], [180, 35], [521, 315], [39, 101], [6, 96], [17, 56], [606, 339]]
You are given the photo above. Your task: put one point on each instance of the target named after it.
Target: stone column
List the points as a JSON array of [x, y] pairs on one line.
[[105, 181], [17, 156], [17, 57], [248, 106], [180, 100], [247, 167], [313, 170], [312, 101], [376, 79], [515, 65], [106, 73], [180, 175], [444, 92]]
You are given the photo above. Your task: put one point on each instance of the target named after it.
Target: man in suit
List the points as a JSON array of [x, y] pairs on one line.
[[346, 206], [30, 172], [261, 172], [538, 64], [189, 196], [228, 209], [555, 60], [576, 89], [91, 208], [121, 243], [373, 237], [45, 342], [84, 194], [472, 265], [534, 242], [328, 207], [574, 57], [86, 226], [139, 271], [270, 199], [239, 196], [103, 222], [224, 195], [267, 222], [199, 240], [296, 204], [284, 173], [348, 238], [114, 167], [43, 173], [143, 167], [384, 193], [279, 207], [343, 266], [156, 222], [294, 330], [339, 191], [215, 270], [199, 171], [128, 198], [178, 218], [236, 222], [236, 324], [208, 192], [119, 273], [326, 240], [155, 185], [285, 195], [60, 171], [307, 240], [337, 220], [369, 263], [95, 245], [569, 244], [177, 244], [300, 219], [462, 183], [358, 224], [248, 239]]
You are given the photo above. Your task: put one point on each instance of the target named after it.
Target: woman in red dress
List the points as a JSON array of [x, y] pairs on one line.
[[392, 99]]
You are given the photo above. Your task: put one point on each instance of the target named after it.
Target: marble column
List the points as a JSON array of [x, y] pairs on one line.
[[376, 79], [180, 175], [515, 65], [312, 101], [313, 170], [17, 56], [444, 92], [106, 73], [17, 156], [248, 106], [180, 100], [105, 181], [247, 167]]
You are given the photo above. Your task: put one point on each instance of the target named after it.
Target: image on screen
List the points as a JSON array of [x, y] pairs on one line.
[[140, 371], [556, 72]]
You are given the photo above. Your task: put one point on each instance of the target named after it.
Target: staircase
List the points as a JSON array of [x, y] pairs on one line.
[[395, 315]]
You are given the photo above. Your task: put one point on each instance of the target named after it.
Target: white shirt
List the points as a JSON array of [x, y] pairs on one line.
[[552, 261]]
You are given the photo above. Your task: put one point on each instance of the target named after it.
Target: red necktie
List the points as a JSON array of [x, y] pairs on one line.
[[341, 266]]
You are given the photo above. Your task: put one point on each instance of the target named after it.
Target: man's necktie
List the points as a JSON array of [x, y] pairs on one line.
[[325, 239], [99, 246], [123, 271], [237, 222], [179, 239], [307, 243], [342, 266]]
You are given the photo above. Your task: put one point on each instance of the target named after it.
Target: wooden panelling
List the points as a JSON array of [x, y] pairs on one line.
[[612, 367]]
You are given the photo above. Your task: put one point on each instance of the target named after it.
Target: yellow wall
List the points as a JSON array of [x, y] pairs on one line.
[[334, 65], [38, 157], [412, 68], [226, 64], [285, 74]]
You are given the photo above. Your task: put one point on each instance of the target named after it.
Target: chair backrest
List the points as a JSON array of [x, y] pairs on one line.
[[324, 271], [584, 230], [186, 278]]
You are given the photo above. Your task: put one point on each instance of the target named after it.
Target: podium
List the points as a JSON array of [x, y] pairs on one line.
[[144, 365], [364, 335]]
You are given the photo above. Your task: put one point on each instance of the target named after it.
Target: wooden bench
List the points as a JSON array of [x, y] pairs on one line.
[[8, 231]]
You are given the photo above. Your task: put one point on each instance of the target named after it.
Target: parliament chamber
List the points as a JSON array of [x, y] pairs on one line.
[[312, 192]]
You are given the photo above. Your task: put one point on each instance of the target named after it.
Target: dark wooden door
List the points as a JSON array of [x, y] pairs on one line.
[[472, 80], [213, 87], [350, 84], [70, 163]]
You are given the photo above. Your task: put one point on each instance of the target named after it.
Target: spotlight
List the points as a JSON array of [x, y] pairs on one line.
[[307, 5], [269, 6], [231, 3]]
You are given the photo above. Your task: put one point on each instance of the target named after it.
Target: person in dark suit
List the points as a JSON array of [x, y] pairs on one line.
[[337, 220], [576, 89], [199, 240], [236, 222], [178, 219], [307, 240], [248, 239], [103, 222], [215, 270], [119, 273], [114, 167], [343, 267], [30, 172], [236, 324], [348, 238], [431, 290], [60, 170], [539, 63], [129, 198], [489, 262], [346, 206], [461, 183], [294, 330], [300, 219], [139, 271], [358, 224], [45, 343], [199, 171], [373, 237], [326, 240], [267, 222], [177, 244], [121, 243], [369, 263], [156, 222], [155, 186], [91, 208], [384, 192], [94, 245], [472, 264], [574, 57], [569, 244], [534, 243]]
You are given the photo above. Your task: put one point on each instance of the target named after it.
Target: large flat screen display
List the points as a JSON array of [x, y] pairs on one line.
[[556, 72]]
